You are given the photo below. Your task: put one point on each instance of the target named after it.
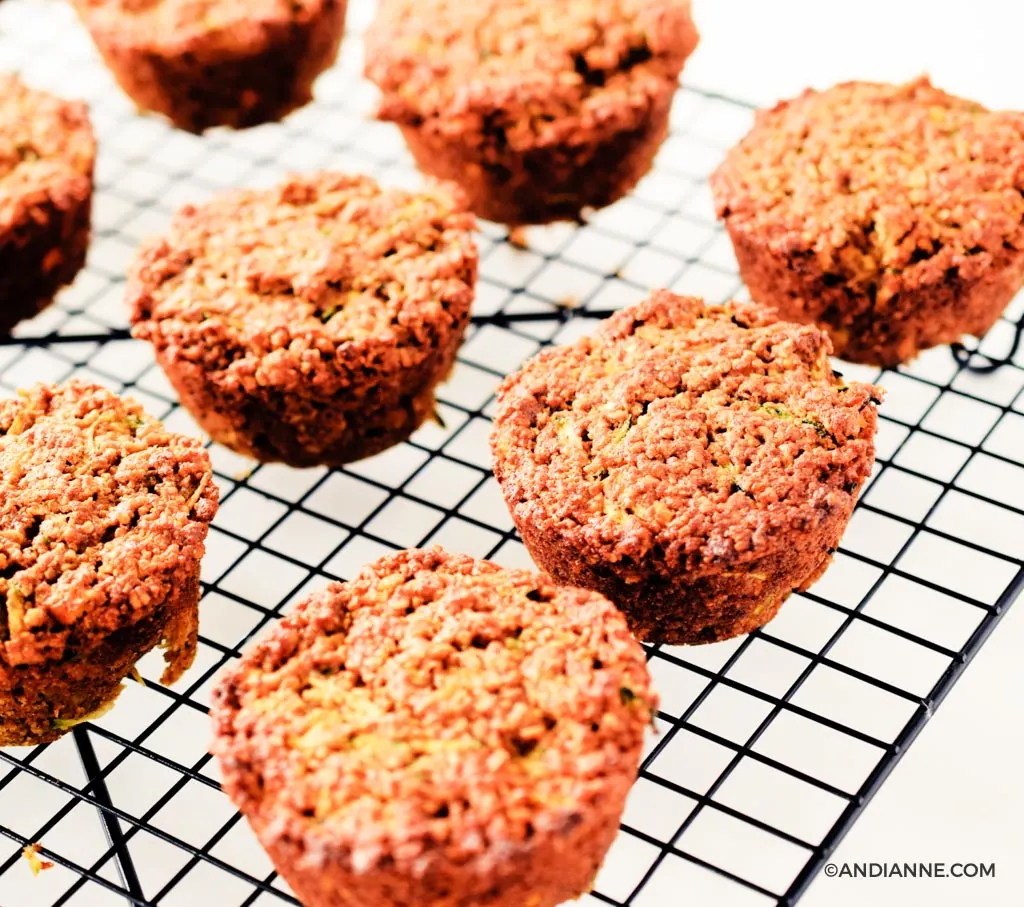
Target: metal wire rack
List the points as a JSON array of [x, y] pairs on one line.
[[770, 746]]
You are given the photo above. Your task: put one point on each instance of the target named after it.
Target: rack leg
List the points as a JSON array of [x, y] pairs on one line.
[[111, 827]]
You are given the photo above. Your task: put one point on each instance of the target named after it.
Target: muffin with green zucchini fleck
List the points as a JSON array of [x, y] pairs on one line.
[[105, 516], [311, 322], [438, 732], [891, 215], [537, 109], [695, 463]]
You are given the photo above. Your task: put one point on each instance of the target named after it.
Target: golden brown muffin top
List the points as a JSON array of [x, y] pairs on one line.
[[320, 263], [101, 507], [877, 179], [435, 708], [541, 68], [683, 434], [45, 143], [168, 23]]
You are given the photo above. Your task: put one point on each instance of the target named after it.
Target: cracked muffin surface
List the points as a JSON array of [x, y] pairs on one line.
[[694, 462], [538, 110], [47, 153], [309, 322], [547, 69], [105, 518], [439, 730], [891, 214]]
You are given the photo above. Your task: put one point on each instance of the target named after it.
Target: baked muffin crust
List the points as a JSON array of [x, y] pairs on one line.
[[205, 63], [537, 109], [693, 462], [47, 152], [310, 322], [437, 731], [105, 515], [891, 214]]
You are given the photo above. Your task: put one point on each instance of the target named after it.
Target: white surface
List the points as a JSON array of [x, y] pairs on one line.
[[766, 51], [958, 794]]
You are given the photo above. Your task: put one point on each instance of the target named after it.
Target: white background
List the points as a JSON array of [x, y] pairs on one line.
[[959, 792]]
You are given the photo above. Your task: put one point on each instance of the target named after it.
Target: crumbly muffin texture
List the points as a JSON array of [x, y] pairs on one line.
[[43, 137], [438, 719], [178, 20], [105, 515], [335, 256], [206, 63], [890, 203], [102, 506], [545, 69], [310, 321], [682, 442], [47, 150], [539, 111]]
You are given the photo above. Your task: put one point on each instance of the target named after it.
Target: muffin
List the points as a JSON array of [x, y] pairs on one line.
[[105, 515], [47, 152], [537, 109], [695, 463], [892, 215], [205, 63], [439, 732], [309, 323]]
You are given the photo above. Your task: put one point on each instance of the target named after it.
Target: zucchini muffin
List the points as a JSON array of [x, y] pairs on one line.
[[309, 323], [537, 109], [105, 514], [695, 463], [205, 63], [892, 215], [438, 732], [47, 151]]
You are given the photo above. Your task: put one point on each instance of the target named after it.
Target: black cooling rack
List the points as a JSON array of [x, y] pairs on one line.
[[770, 746]]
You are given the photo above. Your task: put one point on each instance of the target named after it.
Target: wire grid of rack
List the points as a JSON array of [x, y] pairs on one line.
[[769, 746]]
